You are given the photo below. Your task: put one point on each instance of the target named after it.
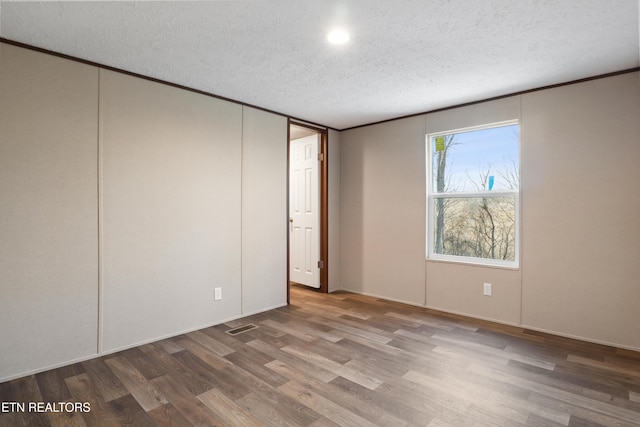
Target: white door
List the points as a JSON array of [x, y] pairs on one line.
[[304, 215]]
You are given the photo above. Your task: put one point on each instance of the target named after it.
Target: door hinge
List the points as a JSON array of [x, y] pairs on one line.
[[321, 157], [320, 264]]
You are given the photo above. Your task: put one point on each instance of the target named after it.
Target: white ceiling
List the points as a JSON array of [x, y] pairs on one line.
[[404, 57]]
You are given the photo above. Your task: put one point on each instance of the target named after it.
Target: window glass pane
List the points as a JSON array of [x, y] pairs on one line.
[[476, 160], [479, 227]]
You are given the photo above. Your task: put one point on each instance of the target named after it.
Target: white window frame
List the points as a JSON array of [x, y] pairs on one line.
[[431, 196]]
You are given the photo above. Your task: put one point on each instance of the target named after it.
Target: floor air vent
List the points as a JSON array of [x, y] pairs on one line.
[[241, 329]]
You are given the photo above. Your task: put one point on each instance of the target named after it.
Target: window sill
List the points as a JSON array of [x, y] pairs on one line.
[[472, 263]]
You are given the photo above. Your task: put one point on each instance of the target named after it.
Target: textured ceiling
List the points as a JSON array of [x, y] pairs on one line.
[[404, 57]]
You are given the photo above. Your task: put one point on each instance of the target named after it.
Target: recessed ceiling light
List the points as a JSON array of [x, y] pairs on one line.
[[338, 36]]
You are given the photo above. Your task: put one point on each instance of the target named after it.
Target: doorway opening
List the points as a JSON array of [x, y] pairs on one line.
[[307, 237]]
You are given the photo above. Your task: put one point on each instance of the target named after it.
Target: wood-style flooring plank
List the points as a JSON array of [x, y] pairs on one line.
[[324, 406], [220, 379], [8, 415], [324, 422], [66, 419], [83, 390], [288, 329], [268, 414], [54, 390], [368, 381], [561, 395], [20, 394], [138, 359], [188, 406], [130, 413], [190, 379], [195, 377], [395, 405], [71, 370], [52, 386], [228, 411], [139, 387], [247, 361], [211, 344], [364, 332], [109, 385], [290, 411], [301, 365], [170, 345], [26, 391], [168, 416], [347, 400]]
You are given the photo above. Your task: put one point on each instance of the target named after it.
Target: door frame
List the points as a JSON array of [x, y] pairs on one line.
[[323, 194]]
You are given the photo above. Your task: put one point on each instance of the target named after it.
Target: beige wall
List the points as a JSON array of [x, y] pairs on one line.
[[171, 209], [264, 211], [334, 210], [186, 192], [48, 210], [581, 210], [579, 274], [382, 205]]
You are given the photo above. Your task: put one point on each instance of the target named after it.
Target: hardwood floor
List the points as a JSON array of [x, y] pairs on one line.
[[342, 360]]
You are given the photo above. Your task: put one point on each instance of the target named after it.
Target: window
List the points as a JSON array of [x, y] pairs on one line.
[[473, 184]]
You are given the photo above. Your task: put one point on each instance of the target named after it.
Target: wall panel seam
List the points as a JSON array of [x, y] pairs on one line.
[[100, 216], [242, 178]]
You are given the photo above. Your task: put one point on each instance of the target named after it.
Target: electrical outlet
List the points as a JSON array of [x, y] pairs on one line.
[[487, 289], [217, 294]]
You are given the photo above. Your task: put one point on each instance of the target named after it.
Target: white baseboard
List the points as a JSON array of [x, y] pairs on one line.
[[133, 345], [580, 338], [501, 322]]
